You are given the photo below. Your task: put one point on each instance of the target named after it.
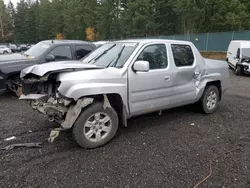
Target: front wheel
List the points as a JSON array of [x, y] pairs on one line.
[[5, 52], [95, 126], [210, 99], [238, 70]]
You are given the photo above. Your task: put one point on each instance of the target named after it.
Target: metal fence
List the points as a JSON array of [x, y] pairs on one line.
[[211, 41]]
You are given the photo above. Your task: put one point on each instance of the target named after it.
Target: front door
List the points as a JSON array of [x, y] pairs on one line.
[[236, 57], [150, 91]]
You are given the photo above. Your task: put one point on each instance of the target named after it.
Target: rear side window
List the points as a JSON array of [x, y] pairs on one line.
[[183, 55], [62, 53], [82, 51]]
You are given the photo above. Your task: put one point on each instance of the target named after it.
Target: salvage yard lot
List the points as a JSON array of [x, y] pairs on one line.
[[171, 150]]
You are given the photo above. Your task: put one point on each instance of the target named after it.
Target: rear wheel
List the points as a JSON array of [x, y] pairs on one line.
[[210, 99], [95, 126]]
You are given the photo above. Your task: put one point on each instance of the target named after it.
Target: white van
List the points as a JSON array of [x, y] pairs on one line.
[[238, 56]]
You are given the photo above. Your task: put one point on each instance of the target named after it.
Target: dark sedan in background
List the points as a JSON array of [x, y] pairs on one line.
[[42, 52]]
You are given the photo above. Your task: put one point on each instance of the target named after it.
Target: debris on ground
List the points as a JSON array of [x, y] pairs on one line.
[[10, 138], [211, 164], [54, 134], [28, 145], [192, 124]]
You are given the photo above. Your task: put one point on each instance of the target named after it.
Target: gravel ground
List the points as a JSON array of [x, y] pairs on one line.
[[171, 150]]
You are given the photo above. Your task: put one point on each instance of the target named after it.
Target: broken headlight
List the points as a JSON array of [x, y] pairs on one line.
[[61, 99]]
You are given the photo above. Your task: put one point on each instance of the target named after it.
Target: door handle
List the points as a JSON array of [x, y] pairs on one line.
[[167, 78]]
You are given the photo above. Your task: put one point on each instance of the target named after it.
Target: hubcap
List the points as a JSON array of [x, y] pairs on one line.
[[97, 127], [211, 100]]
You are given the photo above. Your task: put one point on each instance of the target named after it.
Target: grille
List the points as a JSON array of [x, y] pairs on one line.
[[35, 88]]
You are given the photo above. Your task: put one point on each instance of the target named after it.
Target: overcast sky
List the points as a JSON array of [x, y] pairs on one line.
[[13, 1]]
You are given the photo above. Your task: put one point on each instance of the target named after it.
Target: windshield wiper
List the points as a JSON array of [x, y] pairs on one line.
[[118, 57], [104, 52]]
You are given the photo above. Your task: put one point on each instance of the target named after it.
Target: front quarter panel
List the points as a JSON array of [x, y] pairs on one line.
[[94, 82]]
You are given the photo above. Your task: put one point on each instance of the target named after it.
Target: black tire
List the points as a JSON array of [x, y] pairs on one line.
[[205, 96], [238, 70], [78, 129]]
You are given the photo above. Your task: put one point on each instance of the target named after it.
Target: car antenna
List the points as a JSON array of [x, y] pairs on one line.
[[52, 42]]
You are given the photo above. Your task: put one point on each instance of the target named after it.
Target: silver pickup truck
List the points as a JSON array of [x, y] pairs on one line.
[[120, 80]]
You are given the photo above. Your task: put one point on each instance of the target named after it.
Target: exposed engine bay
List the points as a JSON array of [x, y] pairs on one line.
[[44, 97]]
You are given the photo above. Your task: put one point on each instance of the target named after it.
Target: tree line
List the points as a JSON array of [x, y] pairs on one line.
[[35, 20]]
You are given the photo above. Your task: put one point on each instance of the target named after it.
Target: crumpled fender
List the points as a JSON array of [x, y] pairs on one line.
[[77, 91], [201, 84]]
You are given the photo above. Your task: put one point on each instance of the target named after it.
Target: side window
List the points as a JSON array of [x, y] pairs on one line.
[[238, 54], [62, 53], [82, 51], [183, 55], [156, 55]]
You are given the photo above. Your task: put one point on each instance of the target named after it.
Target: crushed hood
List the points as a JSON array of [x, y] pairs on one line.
[[43, 69]]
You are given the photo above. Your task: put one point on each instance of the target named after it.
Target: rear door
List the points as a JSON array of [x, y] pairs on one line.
[[234, 54], [230, 52], [237, 56], [150, 91], [184, 75]]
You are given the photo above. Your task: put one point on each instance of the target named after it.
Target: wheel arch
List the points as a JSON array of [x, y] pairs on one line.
[[216, 83], [117, 103]]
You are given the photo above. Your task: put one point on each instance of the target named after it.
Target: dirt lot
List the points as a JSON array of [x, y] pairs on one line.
[[171, 150], [214, 55]]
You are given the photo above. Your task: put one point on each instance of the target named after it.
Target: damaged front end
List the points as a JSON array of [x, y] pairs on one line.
[[42, 92], [44, 97]]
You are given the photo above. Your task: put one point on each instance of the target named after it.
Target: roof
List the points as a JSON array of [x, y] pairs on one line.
[[244, 43], [153, 40], [67, 41]]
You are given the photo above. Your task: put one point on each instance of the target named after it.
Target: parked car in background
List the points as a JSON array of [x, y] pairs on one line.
[[100, 43], [29, 46], [4, 50], [238, 56], [22, 48], [120, 80], [13, 47], [42, 52]]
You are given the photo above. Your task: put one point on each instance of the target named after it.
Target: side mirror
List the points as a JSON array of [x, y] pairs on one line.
[[50, 58], [141, 66]]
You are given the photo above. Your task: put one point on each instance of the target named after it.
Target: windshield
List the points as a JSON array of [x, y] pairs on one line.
[[37, 50], [111, 54], [246, 52]]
